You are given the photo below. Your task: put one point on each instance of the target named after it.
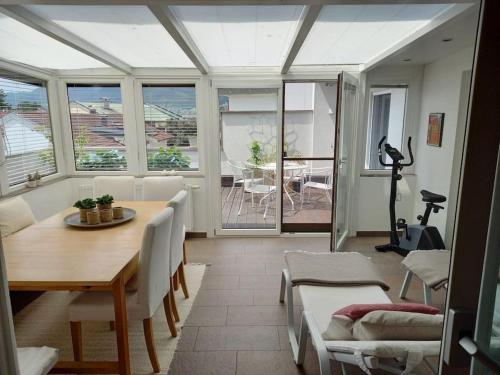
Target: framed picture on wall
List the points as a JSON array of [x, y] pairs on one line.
[[435, 129]]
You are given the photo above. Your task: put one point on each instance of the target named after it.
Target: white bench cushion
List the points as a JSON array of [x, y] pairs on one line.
[[36, 361], [323, 301]]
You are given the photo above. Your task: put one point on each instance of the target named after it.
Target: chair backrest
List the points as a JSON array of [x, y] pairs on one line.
[[178, 203], [154, 260], [237, 167], [122, 188], [15, 214], [161, 188]]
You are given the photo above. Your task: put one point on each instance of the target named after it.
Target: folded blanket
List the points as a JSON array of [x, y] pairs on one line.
[[431, 266], [328, 269]]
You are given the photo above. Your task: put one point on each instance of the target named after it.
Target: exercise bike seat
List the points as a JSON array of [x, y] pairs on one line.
[[427, 196]]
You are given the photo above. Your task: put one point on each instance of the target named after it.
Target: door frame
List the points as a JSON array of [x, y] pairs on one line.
[[215, 157], [303, 227], [474, 200]]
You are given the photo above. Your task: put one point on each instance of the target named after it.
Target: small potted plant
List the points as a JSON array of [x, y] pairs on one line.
[[38, 178], [31, 181], [105, 202], [85, 205]]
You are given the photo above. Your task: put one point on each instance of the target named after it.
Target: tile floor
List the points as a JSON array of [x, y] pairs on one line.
[[237, 326]]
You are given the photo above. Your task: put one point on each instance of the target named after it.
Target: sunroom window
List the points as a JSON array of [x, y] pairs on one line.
[[96, 113], [386, 119], [171, 127], [25, 127]]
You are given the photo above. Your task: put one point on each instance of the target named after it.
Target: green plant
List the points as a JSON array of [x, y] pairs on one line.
[[105, 199], [86, 203], [170, 158], [255, 153]]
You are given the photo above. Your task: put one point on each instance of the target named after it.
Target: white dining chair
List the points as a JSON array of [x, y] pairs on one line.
[[122, 188], [153, 288], [253, 186], [177, 248], [324, 182], [15, 214], [161, 188], [237, 168]]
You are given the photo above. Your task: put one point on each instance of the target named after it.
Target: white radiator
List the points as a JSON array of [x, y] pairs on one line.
[[85, 191], [190, 207]]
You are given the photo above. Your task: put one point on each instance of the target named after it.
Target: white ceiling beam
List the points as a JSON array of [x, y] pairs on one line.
[[225, 2], [62, 35], [179, 33], [310, 15], [436, 22]]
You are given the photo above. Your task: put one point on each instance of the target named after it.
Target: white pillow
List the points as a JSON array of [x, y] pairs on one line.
[[398, 325], [15, 214], [339, 328]]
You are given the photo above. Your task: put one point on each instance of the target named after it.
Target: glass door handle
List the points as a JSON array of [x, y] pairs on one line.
[[479, 355]]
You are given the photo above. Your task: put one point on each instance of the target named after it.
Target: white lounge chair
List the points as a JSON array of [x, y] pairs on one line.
[[320, 302], [430, 266]]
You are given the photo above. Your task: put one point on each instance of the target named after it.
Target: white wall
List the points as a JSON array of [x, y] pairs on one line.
[[440, 93]]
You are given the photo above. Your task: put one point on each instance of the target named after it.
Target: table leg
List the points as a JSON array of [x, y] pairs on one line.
[[121, 326]]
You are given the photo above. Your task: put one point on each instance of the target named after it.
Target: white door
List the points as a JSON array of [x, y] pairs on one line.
[[347, 106]]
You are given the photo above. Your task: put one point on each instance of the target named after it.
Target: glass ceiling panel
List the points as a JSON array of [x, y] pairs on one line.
[[21, 43], [130, 33], [241, 35], [353, 34]]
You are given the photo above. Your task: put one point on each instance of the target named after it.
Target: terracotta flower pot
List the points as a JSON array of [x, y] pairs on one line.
[[106, 206], [117, 212], [106, 215], [93, 217], [83, 214]]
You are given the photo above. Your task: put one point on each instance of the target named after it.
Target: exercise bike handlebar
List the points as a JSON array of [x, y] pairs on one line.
[[411, 154], [381, 160]]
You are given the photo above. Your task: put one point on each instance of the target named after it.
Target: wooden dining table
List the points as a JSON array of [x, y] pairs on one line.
[[50, 256]]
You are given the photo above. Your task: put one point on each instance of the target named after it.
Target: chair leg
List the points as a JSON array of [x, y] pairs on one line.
[[167, 306], [184, 256], [150, 344], [427, 295], [182, 280], [176, 281], [231, 191], [111, 325], [406, 284], [175, 313], [241, 200], [76, 339]]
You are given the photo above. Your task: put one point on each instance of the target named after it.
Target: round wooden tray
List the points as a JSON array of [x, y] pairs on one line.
[[73, 220]]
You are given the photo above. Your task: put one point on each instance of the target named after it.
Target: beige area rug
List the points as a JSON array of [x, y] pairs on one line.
[[45, 322]]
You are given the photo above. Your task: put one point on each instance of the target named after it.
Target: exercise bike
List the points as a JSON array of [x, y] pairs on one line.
[[415, 236]]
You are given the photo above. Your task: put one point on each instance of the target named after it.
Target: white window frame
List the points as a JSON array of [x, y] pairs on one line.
[[412, 80], [126, 92], [369, 125], [141, 125], [57, 138]]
